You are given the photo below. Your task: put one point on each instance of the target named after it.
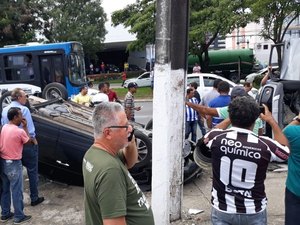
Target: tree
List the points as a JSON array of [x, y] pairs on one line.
[[140, 19], [277, 17], [212, 18], [18, 21], [209, 18], [77, 20]]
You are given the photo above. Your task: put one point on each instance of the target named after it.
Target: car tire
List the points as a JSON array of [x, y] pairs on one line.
[[55, 90], [234, 77], [149, 125], [144, 146], [6, 100]]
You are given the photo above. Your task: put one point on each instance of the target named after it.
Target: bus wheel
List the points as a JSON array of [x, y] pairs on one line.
[[55, 90]]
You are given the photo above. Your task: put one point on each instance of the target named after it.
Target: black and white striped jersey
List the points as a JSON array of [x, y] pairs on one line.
[[239, 162]]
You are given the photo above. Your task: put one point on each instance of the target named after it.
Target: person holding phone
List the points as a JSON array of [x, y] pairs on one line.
[[129, 103], [12, 140], [111, 195], [240, 160]]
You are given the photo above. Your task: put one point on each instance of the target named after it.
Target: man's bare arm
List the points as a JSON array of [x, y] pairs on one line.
[[115, 221], [224, 124], [203, 109], [278, 135]]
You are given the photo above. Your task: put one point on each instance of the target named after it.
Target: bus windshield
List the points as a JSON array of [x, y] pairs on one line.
[[77, 69]]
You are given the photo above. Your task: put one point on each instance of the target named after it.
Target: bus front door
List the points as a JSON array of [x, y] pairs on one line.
[[51, 69]]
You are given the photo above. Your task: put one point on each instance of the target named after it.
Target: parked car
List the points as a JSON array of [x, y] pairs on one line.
[[143, 80], [65, 132], [111, 68], [205, 82], [132, 67], [250, 78]]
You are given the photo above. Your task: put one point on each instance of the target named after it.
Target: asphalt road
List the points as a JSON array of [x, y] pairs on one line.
[[145, 114]]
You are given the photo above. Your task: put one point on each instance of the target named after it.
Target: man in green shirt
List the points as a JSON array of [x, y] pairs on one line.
[[111, 195]]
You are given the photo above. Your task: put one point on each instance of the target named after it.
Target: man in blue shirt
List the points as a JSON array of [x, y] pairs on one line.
[[30, 152], [222, 100]]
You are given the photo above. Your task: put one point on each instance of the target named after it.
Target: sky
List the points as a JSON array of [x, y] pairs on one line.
[[119, 33]]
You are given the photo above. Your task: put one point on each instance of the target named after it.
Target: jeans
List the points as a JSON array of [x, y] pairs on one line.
[[292, 208], [222, 218], [30, 161], [191, 127], [12, 185], [201, 126]]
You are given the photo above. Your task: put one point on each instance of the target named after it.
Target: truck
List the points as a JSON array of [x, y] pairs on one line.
[[233, 64]]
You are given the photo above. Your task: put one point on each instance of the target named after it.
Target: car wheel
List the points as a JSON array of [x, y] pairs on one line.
[[5, 100], [55, 90], [144, 147], [149, 125], [234, 77]]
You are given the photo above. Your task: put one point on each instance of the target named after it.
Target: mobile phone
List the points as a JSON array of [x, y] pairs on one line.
[[130, 135], [261, 109]]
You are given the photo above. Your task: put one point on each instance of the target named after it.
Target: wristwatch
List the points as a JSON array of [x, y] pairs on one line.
[[297, 119]]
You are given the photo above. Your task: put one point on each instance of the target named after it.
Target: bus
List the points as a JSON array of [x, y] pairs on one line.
[[45, 70]]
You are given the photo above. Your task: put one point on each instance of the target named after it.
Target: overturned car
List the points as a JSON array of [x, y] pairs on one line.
[[64, 132]]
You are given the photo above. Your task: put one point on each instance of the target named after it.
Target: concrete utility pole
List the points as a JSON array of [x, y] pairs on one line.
[[168, 109]]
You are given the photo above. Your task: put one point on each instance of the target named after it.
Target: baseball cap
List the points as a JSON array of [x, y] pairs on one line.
[[238, 91], [132, 85]]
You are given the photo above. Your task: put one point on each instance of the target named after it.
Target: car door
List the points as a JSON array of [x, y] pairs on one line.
[[71, 147], [272, 95], [208, 83], [47, 136], [144, 80]]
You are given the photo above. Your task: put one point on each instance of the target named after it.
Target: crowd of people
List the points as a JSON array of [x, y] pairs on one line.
[[18, 148], [241, 154]]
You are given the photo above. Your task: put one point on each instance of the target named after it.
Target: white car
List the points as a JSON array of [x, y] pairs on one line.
[[144, 80], [250, 78], [206, 82]]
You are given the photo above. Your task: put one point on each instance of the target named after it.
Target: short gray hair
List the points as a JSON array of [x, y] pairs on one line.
[[105, 115]]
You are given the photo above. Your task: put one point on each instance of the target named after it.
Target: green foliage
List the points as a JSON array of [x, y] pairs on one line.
[[18, 21], [77, 20], [208, 18], [277, 16], [140, 19]]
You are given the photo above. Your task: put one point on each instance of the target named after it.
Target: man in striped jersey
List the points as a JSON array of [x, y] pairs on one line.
[[239, 162], [191, 116]]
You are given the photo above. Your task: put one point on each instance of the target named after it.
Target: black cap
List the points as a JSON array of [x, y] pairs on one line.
[[238, 91], [132, 85]]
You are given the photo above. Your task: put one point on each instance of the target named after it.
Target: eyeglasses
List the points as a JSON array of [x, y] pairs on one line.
[[125, 126]]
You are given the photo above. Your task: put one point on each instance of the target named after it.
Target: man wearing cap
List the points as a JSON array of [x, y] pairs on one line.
[[129, 101], [237, 91]]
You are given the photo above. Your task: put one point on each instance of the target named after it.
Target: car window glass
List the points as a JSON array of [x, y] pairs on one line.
[[18, 67], [147, 75], [208, 81], [193, 79]]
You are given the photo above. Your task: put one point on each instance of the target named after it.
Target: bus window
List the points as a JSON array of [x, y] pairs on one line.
[[77, 69], [58, 71], [51, 67], [18, 67]]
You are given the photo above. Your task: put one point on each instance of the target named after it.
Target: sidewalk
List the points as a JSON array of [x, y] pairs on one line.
[[196, 195], [64, 205]]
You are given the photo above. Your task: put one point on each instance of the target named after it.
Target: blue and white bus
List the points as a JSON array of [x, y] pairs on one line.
[[47, 70]]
